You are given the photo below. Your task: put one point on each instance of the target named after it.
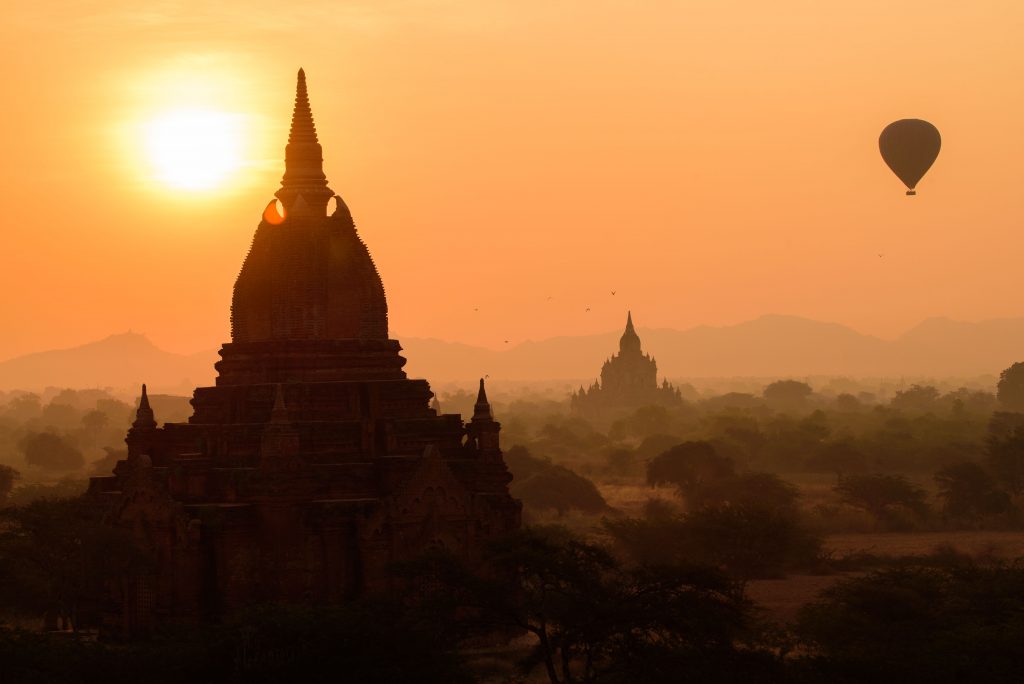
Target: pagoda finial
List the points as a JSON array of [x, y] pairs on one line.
[[303, 157], [303, 128], [482, 408], [144, 417], [630, 341]]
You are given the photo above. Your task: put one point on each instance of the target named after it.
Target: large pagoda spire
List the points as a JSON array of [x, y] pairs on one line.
[[304, 158]]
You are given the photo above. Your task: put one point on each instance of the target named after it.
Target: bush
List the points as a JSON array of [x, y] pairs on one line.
[[891, 499], [1010, 389], [67, 488], [8, 475], [690, 466], [746, 541], [622, 463], [542, 485], [522, 464], [378, 641], [48, 451], [754, 490], [957, 623], [560, 489], [787, 394], [594, 619], [840, 457], [969, 493]]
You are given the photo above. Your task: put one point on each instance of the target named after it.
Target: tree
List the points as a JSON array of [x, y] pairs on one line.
[[690, 466], [596, 620], [654, 445], [839, 457], [787, 394], [61, 416], [1010, 388], [522, 464], [917, 398], [95, 420], [541, 484], [57, 557], [105, 465], [370, 640], [756, 490], [1006, 451], [886, 497], [622, 462], [746, 541], [643, 422], [560, 489], [24, 407], [50, 451], [969, 493], [704, 478], [961, 623], [848, 403], [8, 476]]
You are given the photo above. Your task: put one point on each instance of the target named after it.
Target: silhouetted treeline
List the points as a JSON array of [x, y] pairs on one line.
[[922, 460], [654, 603], [51, 443]]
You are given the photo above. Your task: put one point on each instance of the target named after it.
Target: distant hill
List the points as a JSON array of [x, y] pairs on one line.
[[769, 346], [121, 362]]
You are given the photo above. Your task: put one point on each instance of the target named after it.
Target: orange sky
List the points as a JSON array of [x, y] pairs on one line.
[[710, 161]]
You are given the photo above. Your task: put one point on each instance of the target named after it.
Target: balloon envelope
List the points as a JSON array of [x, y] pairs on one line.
[[909, 147]]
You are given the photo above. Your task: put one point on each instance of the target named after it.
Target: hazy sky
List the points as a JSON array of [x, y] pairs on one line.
[[709, 161]]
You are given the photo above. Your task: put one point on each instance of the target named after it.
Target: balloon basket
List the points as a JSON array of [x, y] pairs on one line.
[[911, 193]]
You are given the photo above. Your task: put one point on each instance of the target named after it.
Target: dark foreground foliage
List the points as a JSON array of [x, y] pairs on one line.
[[960, 622], [367, 642], [588, 615], [594, 619], [57, 558]]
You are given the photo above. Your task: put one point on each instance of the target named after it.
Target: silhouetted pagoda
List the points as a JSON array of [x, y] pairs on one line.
[[314, 462], [629, 380]]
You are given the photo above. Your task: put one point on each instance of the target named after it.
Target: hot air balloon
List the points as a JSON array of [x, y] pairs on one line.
[[909, 147]]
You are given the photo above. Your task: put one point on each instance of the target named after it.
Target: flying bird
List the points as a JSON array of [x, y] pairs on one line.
[[588, 308]]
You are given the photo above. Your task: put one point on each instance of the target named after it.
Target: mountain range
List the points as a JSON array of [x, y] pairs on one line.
[[769, 346]]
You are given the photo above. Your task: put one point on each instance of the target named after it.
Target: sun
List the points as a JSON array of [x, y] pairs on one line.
[[194, 149]]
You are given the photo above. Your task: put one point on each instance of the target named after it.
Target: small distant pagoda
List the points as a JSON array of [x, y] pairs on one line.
[[629, 380]]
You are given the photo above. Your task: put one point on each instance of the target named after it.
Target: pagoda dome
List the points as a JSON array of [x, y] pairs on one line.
[[308, 275]]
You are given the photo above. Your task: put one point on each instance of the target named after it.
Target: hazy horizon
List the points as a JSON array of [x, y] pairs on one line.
[[499, 346], [511, 166]]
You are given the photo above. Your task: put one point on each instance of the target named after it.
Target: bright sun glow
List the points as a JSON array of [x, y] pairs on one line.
[[194, 149]]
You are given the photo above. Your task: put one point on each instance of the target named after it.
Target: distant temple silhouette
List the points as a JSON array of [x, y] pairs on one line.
[[629, 380], [313, 464]]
